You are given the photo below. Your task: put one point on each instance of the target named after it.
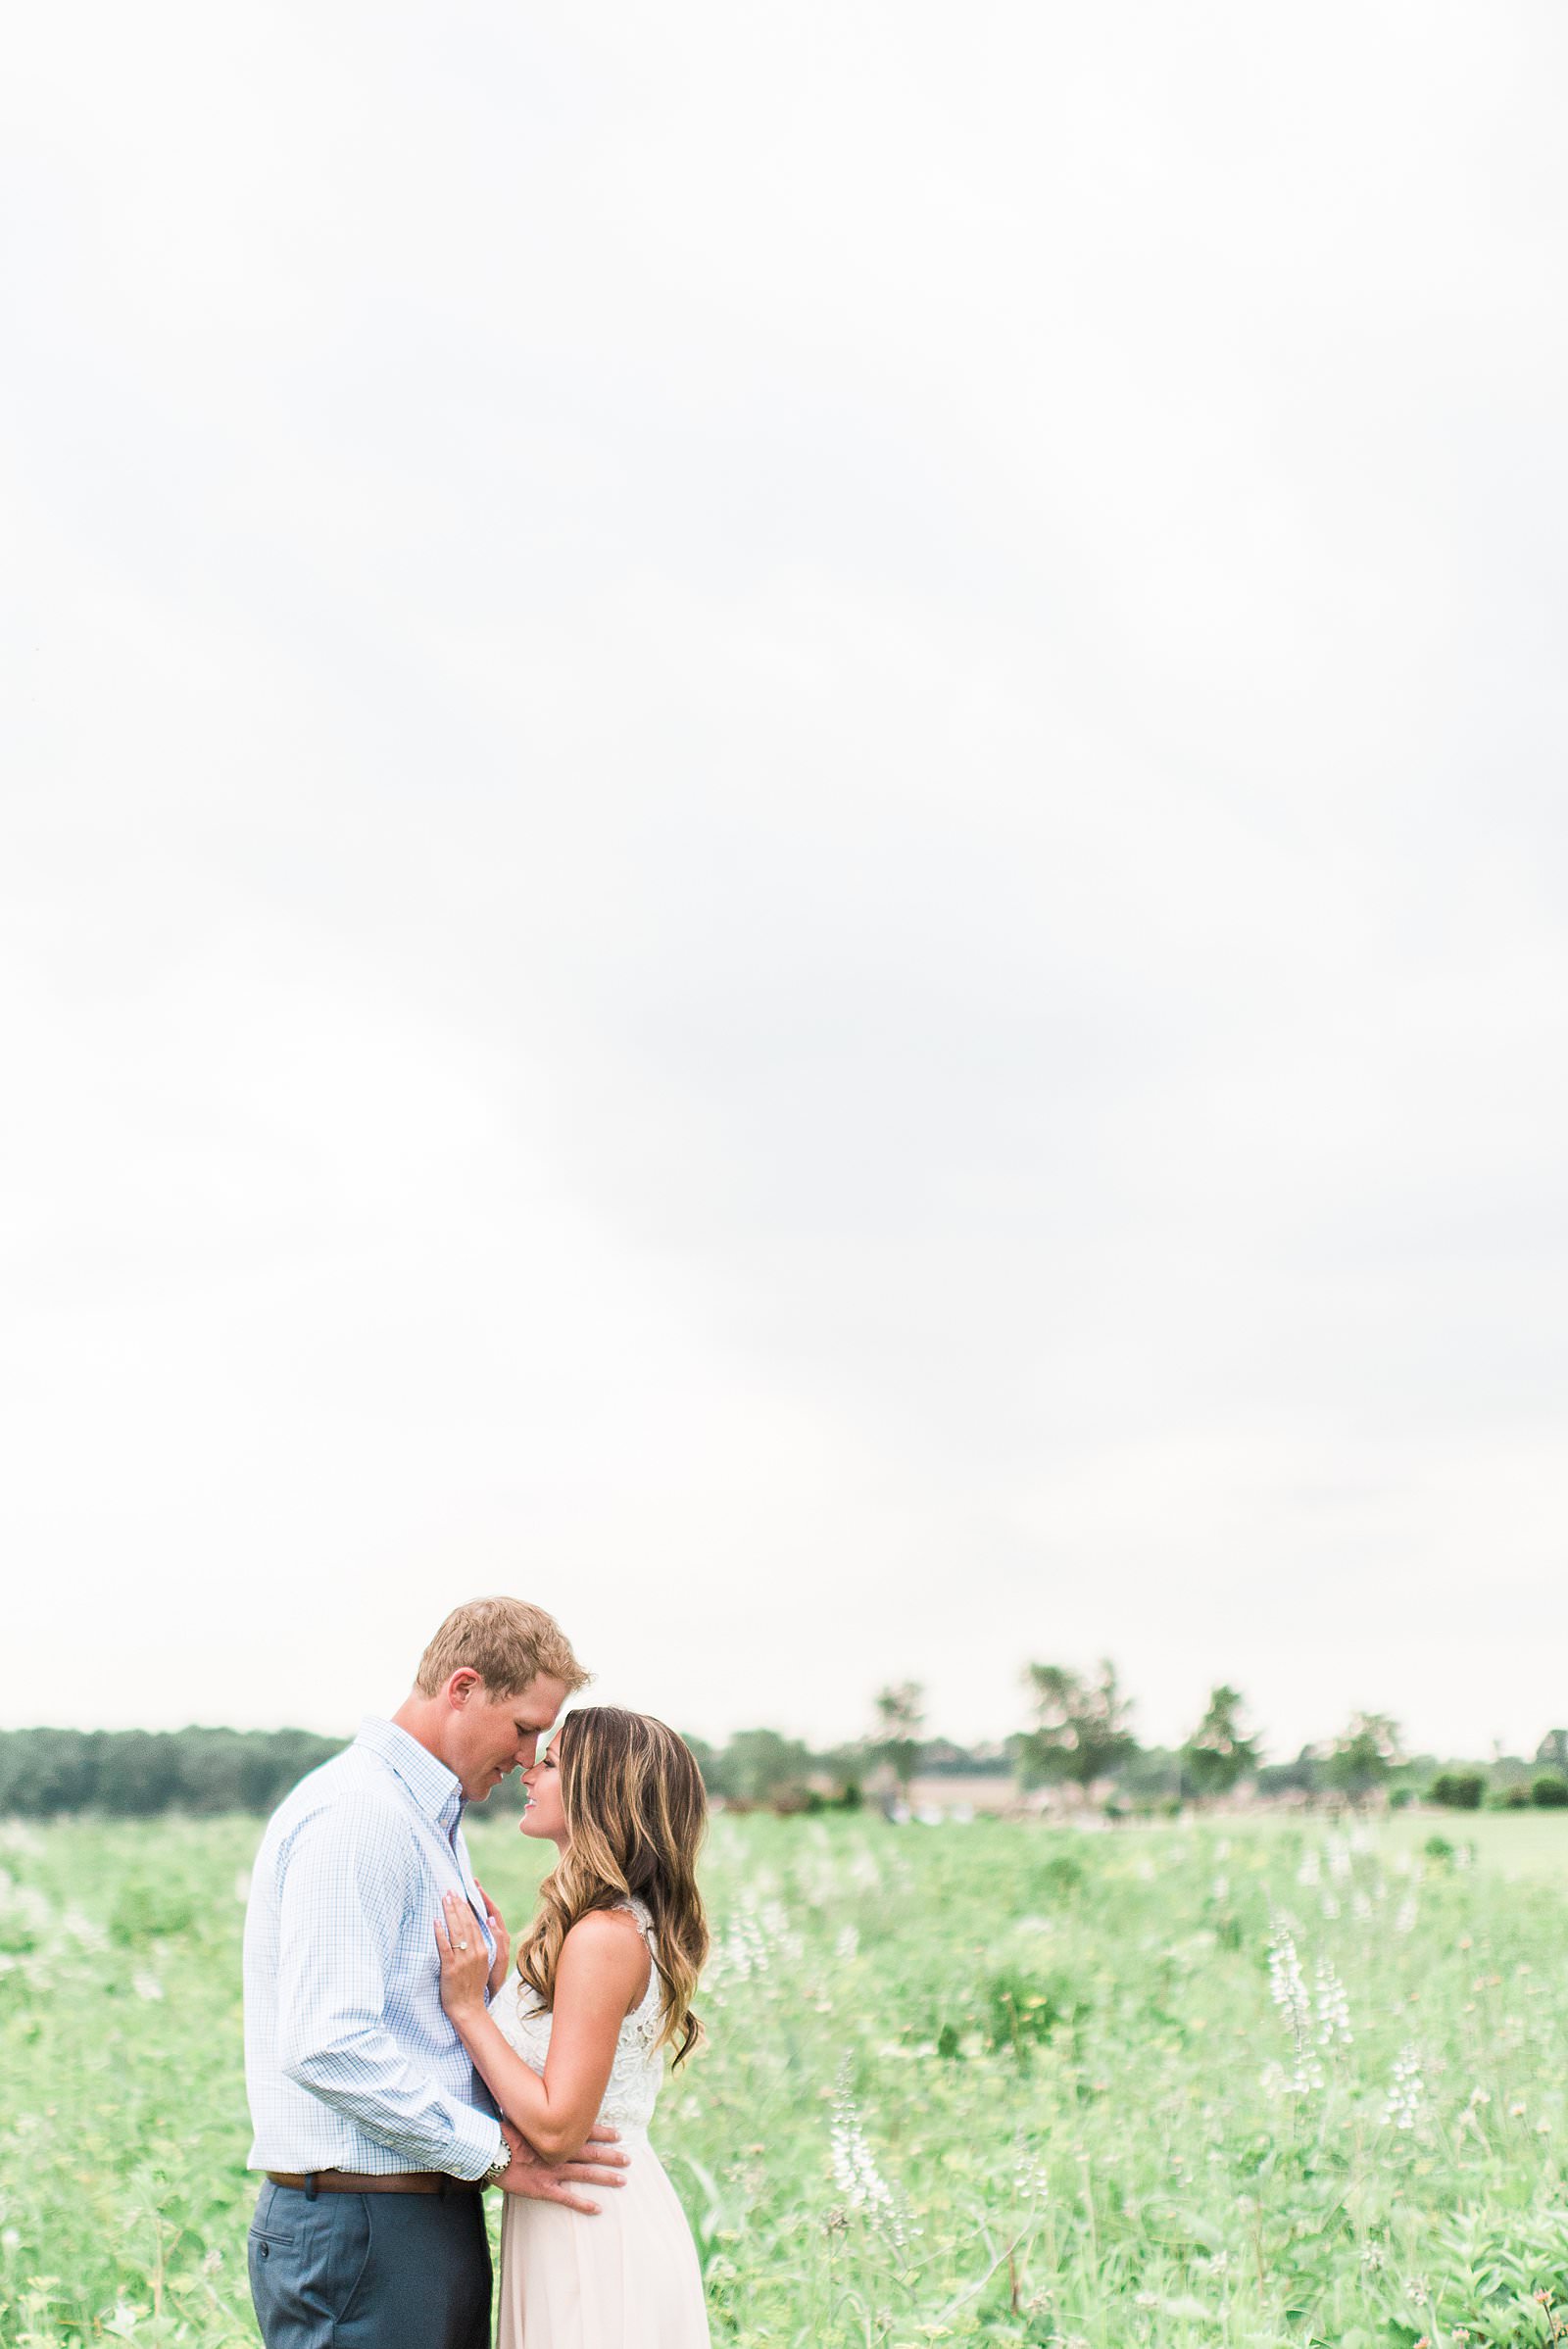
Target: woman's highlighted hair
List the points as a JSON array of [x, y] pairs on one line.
[[636, 1810]]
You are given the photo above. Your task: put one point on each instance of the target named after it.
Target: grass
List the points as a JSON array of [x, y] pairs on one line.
[[989, 2082]]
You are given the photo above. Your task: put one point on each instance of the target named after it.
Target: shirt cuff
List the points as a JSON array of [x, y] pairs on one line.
[[479, 2147]]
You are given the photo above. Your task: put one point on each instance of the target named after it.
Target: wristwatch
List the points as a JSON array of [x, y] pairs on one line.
[[499, 2167]]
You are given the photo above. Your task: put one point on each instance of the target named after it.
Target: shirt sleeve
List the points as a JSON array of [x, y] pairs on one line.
[[339, 1909]]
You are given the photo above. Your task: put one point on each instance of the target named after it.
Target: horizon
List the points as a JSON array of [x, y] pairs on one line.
[[818, 1748]]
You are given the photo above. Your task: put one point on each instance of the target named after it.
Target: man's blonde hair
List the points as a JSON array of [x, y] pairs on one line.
[[505, 1641]]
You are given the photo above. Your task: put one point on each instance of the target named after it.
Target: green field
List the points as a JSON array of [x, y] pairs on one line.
[[977, 2081]]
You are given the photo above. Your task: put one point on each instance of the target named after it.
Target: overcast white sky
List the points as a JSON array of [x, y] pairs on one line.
[[786, 855]]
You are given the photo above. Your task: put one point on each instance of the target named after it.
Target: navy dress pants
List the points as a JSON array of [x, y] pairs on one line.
[[370, 2270]]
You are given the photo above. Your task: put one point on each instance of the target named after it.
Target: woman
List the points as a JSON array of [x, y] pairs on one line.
[[605, 1975]]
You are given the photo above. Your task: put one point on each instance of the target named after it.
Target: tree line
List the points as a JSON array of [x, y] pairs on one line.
[[1082, 1737], [134, 1773], [1079, 1745]]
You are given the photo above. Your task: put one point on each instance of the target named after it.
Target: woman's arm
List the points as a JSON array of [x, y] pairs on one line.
[[601, 1975]]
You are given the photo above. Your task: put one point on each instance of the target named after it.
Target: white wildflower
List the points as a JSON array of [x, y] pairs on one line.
[[751, 1940], [1311, 1870], [1030, 2182], [1333, 2008], [1287, 1990], [855, 2171], [147, 1985], [848, 1946], [782, 1939], [1406, 2090]]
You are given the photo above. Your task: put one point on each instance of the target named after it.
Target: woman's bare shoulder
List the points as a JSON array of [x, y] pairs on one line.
[[608, 1943], [605, 1933]]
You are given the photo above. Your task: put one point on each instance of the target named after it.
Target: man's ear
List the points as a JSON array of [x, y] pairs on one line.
[[460, 1686]]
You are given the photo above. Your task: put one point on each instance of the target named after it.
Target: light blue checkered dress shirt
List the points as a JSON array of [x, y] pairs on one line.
[[350, 2063]]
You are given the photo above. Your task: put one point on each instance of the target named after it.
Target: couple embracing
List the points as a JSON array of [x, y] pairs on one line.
[[399, 2060]]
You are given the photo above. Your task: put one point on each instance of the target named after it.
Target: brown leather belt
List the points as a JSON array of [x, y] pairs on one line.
[[396, 2182]]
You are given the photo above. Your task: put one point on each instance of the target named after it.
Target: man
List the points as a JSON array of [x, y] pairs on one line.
[[376, 2134]]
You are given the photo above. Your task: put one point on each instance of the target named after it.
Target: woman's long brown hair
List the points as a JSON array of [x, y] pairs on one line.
[[636, 1811]]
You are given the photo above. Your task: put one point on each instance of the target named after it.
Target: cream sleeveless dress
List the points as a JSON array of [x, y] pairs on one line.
[[626, 2278]]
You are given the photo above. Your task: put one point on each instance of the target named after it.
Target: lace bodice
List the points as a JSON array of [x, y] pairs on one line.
[[638, 2070]]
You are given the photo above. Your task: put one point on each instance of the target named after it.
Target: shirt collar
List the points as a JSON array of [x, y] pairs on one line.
[[433, 1786]]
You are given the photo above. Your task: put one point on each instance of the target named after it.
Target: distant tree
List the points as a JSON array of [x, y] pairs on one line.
[[1149, 1775], [293, 1754], [1081, 1726], [1553, 1750], [759, 1764], [1457, 1789], [1364, 1755], [210, 1765], [46, 1773], [143, 1773], [1303, 1776], [252, 1770], [844, 1767], [1549, 1794], [1220, 1750], [901, 1724]]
